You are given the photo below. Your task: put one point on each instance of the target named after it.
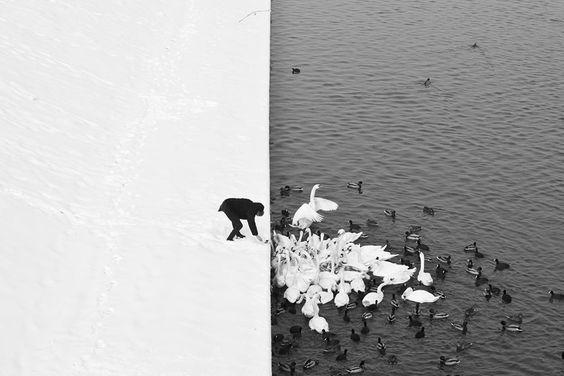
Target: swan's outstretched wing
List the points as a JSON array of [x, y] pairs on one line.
[[306, 212], [324, 204]]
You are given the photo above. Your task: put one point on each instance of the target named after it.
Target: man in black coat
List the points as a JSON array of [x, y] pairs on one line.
[[242, 208]]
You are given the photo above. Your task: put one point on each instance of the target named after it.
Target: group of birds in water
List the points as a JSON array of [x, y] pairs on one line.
[[314, 269]]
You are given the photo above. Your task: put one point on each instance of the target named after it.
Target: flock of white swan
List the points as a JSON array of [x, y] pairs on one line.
[[317, 270]]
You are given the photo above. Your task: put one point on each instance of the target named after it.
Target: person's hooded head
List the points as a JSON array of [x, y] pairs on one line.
[[259, 208]]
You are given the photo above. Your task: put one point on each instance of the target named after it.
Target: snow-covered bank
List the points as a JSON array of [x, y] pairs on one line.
[[124, 128]]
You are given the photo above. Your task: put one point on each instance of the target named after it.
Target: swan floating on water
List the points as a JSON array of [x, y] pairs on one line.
[[399, 277], [385, 268], [371, 253], [318, 323], [424, 277], [373, 298], [419, 296]]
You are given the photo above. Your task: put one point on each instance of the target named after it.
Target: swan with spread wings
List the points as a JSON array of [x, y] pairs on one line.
[[308, 212]]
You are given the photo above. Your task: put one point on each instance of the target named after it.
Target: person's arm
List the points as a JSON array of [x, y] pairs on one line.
[[253, 227], [252, 224]]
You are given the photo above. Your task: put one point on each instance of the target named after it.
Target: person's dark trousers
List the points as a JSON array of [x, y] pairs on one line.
[[235, 221]]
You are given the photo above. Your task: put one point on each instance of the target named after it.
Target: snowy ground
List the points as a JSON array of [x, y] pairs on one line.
[[124, 126]]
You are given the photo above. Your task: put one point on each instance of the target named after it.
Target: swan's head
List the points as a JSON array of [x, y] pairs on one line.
[[407, 291], [316, 186]]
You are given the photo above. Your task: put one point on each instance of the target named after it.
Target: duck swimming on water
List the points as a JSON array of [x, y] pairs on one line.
[[449, 361], [411, 236], [440, 272], [445, 259], [494, 290], [471, 247], [371, 222], [420, 333], [461, 346], [356, 369], [365, 329], [470, 268], [500, 265], [342, 356], [287, 367], [510, 327], [354, 336], [310, 363], [394, 301], [437, 315], [392, 316], [555, 296], [355, 185], [460, 327], [381, 347], [353, 226], [506, 298]]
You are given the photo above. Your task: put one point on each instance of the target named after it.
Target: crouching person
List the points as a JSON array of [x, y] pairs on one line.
[[237, 209]]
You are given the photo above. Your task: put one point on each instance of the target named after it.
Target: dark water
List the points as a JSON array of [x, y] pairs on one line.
[[483, 146]]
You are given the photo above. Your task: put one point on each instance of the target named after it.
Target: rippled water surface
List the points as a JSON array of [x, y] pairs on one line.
[[482, 145]]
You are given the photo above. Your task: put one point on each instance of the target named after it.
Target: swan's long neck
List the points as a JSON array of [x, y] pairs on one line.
[[312, 194], [422, 259], [315, 307], [380, 286]]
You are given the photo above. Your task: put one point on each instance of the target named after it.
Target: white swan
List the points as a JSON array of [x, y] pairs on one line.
[[313, 290], [424, 277], [384, 268], [345, 238], [353, 258], [279, 271], [419, 296], [369, 253], [325, 297], [374, 297], [281, 241], [308, 307], [399, 277], [318, 323], [307, 213], [358, 284], [342, 297], [292, 294]]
